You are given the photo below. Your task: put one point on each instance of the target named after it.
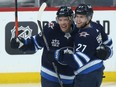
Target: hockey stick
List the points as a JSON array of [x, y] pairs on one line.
[[16, 17], [17, 24], [47, 46], [41, 10]]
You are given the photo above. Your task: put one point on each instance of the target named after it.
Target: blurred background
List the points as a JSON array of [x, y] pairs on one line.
[[55, 3]]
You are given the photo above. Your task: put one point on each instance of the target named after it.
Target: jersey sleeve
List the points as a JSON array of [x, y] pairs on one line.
[[106, 40], [35, 42], [76, 60]]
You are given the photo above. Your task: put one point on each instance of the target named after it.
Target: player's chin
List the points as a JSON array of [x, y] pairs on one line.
[[63, 29], [79, 26]]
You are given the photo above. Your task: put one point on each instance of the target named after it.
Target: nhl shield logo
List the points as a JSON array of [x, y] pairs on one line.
[[25, 29], [24, 32]]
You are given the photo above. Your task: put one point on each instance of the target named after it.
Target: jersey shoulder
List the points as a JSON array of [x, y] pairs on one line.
[[51, 26], [96, 25]]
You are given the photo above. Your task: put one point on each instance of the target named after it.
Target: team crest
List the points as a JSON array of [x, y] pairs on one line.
[[83, 34]]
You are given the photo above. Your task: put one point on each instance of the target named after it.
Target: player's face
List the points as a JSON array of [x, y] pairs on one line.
[[81, 20], [65, 23]]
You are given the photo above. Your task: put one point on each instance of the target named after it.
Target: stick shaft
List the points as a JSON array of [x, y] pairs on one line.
[[44, 38], [16, 17], [41, 10], [47, 46]]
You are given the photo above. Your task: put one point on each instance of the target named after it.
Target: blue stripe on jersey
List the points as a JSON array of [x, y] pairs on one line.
[[54, 79], [50, 75], [89, 67], [84, 56], [80, 59], [92, 68], [77, 60], [111, 53], [108, 42]]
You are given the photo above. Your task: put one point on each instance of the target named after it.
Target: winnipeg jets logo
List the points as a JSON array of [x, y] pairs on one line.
[[67, 35], [83, 34], [55, 43], [24, 32]]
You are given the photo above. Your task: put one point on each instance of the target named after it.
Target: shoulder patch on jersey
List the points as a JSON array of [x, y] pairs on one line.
[[51, 25], [83, 34]]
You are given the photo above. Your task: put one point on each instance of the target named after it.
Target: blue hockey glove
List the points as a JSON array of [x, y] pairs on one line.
[[103, 52]]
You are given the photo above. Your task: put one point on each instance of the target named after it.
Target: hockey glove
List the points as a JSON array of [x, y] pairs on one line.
[[59, 54], [21, 41], [14, 44], [17, 42], [103, 52]]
